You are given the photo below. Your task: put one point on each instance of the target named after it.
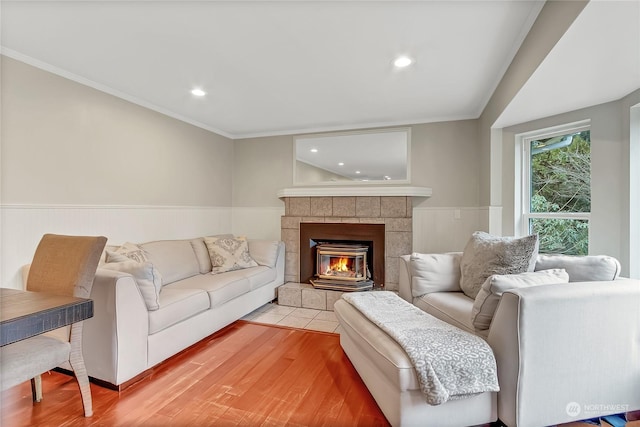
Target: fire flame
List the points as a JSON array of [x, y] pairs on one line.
[[339, 264]]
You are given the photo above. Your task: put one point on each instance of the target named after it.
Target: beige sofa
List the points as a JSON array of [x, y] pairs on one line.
[[564, 352], [125, 338]]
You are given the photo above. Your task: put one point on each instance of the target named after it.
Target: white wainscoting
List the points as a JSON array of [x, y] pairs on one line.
[[446, 229], [24, 225], [434, 229]]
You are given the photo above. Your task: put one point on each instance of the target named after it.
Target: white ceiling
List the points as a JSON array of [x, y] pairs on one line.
[[304, 66], [596, 61]]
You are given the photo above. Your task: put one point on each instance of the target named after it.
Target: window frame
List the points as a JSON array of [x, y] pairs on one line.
[[523, 213]]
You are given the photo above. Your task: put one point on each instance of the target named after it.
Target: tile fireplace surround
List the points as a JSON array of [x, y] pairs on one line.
[[395, 212]]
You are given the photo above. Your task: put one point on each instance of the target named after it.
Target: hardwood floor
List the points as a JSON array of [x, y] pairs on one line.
[[245, 375]]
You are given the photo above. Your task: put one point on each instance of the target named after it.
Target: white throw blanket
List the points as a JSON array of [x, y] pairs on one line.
[[450, 363]]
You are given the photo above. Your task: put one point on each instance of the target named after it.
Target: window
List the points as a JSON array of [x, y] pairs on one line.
[[556, 191]]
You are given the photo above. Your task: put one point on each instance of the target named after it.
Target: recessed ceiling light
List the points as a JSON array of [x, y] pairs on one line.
[[198, 92], [314, 150], [357, 171], [402, 61], [341, 164]]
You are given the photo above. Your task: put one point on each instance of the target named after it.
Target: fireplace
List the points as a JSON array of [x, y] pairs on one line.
[[390, 214], [342, 266], [359, 243]]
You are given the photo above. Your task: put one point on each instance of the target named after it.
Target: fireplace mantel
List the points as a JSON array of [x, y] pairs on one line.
[[365, 190]]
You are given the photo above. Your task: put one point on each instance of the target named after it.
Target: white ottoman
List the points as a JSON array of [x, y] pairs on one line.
[[389, 375]]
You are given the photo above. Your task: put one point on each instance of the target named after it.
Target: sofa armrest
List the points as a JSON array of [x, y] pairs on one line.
[[115, 338], [558, 344], [280, 260]]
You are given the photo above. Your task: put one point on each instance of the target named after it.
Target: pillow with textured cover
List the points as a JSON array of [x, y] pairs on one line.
[[228, 253], [147, 277], [131, 251], [484, 307], [485, 255]]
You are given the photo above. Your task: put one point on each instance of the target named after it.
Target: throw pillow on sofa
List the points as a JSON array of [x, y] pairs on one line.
[[228, 253], [202, 253], [147, 277], [485, 304], [131, 251], [485, 255]]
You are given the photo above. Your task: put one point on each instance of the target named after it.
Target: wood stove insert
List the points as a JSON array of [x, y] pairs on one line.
[[369, 235]]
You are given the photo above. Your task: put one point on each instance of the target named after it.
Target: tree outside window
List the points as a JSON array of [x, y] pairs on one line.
[[560, 192]]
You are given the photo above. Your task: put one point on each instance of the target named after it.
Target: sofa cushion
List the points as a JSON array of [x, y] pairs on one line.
[[489, 296], [452, 307], [264, 252], [202, 254], [259, 276], [582, 268], [228, 253], [220, 287], [434, 273], [147, 277], [175, 259], [485, 255], [177, 305]]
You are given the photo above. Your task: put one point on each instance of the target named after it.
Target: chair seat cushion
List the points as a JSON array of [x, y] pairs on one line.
[[452, 307], [28, 358]]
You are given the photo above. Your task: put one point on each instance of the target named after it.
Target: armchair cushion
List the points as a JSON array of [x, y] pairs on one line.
[[485, 255], [582, 268], [492, 289], [434, 273]]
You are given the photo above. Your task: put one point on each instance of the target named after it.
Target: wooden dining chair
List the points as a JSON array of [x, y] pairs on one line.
[[63, 265]]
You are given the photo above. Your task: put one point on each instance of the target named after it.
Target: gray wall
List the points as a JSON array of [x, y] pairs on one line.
[[609, 224], [443, 157], [262, 166], [66, 143], [552, 22]]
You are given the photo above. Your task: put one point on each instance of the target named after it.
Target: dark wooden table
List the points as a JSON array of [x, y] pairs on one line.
[[25, 314]]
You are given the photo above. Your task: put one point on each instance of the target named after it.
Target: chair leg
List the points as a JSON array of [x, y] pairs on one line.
[[36, 388], [77, 364]]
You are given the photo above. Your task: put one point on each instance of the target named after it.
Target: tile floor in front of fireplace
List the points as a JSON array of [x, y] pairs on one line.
[[303, 318]]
